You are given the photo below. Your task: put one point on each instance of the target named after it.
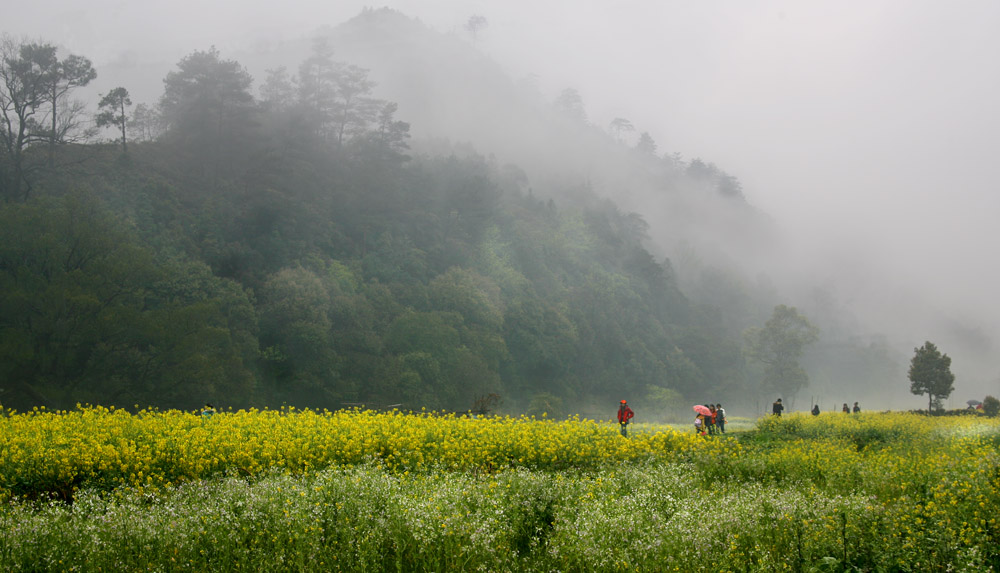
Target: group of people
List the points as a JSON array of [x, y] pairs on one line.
[[710, 423], [711, 418], [846, 409], [777, 408], [714, 422]]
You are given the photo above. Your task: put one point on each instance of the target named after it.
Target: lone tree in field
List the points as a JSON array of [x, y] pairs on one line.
[[930, 373]]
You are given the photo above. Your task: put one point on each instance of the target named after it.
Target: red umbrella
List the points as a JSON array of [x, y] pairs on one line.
[[703, 410]]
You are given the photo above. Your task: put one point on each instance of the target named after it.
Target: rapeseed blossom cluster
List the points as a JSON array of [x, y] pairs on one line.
[[60, 452]]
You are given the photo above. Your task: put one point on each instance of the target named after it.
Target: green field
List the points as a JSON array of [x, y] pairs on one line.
[[869, 492]]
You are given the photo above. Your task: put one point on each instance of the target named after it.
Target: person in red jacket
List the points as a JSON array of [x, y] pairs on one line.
[[624, 415]]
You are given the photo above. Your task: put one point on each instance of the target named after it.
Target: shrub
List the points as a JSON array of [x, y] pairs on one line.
[[991, 406]]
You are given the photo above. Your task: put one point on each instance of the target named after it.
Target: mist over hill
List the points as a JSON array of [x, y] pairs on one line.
[[506, 243], [455, 95], [698, 214]]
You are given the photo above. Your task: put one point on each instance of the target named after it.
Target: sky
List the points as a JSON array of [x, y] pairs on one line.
[[869, 131]]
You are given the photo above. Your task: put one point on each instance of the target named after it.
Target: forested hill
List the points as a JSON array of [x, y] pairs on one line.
[[452, 91], [280, 242]]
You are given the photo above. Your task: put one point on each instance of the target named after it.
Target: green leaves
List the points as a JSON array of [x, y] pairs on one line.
[[88, 315], [930, 373]]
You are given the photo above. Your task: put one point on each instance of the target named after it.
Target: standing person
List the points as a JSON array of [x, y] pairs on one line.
[[624, 415], [720, 418], [699, 424], [777, 407], [857, 408], [815, 410], [845, 409], [710, 420]]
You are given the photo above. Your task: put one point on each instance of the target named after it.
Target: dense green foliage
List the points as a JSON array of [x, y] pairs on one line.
[[991, 406], [243, 259], [930, 373], [428, 283], [292, 249]]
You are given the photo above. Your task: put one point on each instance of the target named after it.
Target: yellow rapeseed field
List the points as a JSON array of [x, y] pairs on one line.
[[61, 451], [361, 490]]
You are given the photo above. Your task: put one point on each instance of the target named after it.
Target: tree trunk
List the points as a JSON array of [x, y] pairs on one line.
[[124, 145], [52, 136]]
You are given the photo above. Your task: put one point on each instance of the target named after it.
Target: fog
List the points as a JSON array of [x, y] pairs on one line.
[[867, 133]]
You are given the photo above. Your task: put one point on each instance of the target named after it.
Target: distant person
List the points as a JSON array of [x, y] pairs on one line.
[[720, 418], [845, 409], [699, 425], [624, 415], [815, 410], [208, 411], [856, 408], [777, 407], [710, 420]]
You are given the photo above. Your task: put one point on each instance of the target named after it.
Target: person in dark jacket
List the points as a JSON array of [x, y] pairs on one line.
[[624, 415], [777, 407]]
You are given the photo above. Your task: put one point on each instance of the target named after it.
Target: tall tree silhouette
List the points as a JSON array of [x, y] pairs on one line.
[[113, 112], [930, 373], [63, 77], [208, 109], [25, 72]]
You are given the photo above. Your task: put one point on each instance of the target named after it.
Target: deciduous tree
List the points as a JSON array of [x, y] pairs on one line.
[[146, 123], [277, 93], [991, 406], [355, 109], [317, 87], [295, 332], [930, 373], [335, 96], [778, 346], [65, 76], [208, 108], [25, 69], [646, 145], [88, 314], [392, 133]]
